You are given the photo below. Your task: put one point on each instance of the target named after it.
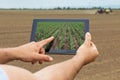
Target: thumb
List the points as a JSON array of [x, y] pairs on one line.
[[87, 38], [43, 57]]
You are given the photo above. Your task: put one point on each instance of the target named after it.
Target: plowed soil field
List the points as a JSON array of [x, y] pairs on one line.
[[15, 30]]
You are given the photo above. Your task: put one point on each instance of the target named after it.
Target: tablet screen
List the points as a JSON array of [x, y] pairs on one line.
[[69, 34]]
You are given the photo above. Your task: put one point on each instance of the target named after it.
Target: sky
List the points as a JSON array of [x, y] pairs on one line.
[[58, 3]]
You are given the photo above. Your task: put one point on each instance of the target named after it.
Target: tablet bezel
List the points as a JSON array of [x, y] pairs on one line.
[[34, 26]]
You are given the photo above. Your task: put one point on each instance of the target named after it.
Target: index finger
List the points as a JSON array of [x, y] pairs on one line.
[[45, 41]]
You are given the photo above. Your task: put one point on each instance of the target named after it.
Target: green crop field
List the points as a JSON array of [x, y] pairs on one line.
[[68, 35]]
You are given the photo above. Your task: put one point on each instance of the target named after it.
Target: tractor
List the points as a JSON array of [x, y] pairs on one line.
[[104, 11]]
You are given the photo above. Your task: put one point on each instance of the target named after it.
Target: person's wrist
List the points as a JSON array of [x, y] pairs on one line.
[[78, 58], [10, 53]]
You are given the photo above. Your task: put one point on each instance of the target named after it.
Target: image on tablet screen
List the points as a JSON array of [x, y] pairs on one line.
[[69, 35]]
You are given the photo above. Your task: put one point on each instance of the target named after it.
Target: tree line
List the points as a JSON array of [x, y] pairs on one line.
[[56, 8]]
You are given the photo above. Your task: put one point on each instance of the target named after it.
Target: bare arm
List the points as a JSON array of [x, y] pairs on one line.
[[4, 56], [31, 52], [67, 70]]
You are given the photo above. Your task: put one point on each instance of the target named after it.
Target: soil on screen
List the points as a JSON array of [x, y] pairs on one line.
[[65, 36], [55, 43]]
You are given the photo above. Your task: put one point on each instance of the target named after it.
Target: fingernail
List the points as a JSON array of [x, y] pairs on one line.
[[88, 33], [52, 36], [50, 58]]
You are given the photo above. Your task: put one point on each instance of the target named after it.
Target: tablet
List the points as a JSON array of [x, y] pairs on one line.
[[69, 34]]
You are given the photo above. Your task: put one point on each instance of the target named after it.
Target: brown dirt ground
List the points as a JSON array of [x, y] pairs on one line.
[[15, 30]]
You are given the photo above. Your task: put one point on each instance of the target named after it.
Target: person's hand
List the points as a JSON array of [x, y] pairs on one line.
[[88, 50], [33, 52]]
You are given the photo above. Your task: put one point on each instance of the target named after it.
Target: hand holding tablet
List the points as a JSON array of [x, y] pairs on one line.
[[69, 34]]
